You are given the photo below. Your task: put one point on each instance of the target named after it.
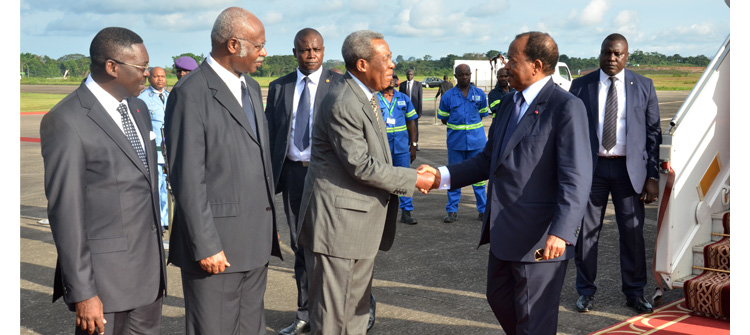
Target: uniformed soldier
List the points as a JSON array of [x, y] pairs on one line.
[[400, 124], [462, 109], [155, 97]]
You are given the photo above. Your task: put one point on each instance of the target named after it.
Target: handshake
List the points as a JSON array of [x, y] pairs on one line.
[[428, 178]]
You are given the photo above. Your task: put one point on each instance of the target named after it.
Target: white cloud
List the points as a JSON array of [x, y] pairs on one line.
[[272, 17], [627, 22], [591, 15]]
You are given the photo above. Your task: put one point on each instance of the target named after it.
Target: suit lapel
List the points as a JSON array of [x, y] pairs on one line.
[[143, 126], [532, 114], [100, 116], [323, 84], [367, 110], [629, 98], [224, 96]]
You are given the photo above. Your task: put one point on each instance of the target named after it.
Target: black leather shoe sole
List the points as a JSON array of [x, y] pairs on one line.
[[640, 305]]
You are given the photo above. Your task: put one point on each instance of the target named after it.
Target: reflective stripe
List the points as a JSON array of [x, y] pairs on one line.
[[494, 103], [465, 126], [395, 129], [412, 113], [483, 110], [481, 183], [441, 113]]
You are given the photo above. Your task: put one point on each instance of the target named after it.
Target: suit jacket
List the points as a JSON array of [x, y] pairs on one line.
[[279, 106], [350, 204], [220, 173], [641, 119], [540, 184], [415, 96], [102, 205]]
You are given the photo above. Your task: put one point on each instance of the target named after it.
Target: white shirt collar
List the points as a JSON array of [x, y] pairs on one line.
[[530, 93], [229, 78], [314, 77], [364, 88], [107, 100], [603, 77]]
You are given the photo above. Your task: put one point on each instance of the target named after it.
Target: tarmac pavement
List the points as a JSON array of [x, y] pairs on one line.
[[431, 282]]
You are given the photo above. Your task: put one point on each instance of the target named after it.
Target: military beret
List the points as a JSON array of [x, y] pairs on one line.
[[185, 63]]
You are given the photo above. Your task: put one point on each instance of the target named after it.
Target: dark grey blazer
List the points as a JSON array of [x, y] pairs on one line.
[[643, 135], [102, 205], [220, 173], [279, 106], [350, 201]]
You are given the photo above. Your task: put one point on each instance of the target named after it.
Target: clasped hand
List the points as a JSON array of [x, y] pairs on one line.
[[428, 178]]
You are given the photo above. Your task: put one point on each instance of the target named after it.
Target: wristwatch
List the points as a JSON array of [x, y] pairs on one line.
[[413, 144]]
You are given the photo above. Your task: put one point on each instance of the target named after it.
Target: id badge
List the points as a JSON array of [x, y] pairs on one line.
[[390, 121]]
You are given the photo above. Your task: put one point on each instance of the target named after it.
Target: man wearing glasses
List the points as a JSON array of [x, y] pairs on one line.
[[224, 227], [101, 185]]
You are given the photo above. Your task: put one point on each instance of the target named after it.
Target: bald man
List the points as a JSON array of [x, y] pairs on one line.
[[155, 97], [224, 228]]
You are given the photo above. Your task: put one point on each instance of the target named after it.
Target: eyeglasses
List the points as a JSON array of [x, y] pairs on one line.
[[258, 47], [143, 68]]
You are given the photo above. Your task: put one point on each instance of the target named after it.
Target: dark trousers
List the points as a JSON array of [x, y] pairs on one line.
[[226, 303], [611, 177], [292, 183], [143, 320], [525, 297], [340, 290]]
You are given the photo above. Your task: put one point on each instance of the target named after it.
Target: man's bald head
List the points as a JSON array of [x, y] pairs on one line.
[[230, 23], [157, 78]]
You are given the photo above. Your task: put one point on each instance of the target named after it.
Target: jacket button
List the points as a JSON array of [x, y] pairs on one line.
[[268, 209]]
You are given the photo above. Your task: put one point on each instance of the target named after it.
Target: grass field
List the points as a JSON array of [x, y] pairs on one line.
[[39, 102]]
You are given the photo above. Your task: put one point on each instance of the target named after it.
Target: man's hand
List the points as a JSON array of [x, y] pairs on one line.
[[214, 264], [90, 315], [425, 180], [650, 191], [413, 153], [426, 169], [555, 247]]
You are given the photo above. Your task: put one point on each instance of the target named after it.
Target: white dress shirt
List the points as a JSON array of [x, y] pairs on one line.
[[604, 82], [233, 82], [111, 104], [294, 153]]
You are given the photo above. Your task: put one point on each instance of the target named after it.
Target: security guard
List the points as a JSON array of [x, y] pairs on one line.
[[462, 109], [400, 124], [155, 96]]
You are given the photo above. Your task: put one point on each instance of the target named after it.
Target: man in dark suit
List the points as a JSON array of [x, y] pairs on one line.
[[625, 135], [413, 89], [224, 228], [290, 116], [350, 205], [538, 163], [102, 193], [444, 87]]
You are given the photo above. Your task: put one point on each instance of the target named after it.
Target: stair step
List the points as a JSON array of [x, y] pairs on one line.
[[717, 225], [698, 257], [680, 283]]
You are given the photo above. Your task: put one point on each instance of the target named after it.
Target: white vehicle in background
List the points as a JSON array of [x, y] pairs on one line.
[[562, 76]]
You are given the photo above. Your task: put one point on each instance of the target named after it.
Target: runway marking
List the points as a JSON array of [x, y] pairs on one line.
[[670, 102], [31, 139]]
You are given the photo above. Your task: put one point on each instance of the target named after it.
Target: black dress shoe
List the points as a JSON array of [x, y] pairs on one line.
[[640, 305], [372, 313], [406, 217], [451, 217], [297, 327], [480, 217], [585, 303]]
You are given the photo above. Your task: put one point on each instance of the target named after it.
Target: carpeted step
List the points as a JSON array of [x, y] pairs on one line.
[[708, 293]]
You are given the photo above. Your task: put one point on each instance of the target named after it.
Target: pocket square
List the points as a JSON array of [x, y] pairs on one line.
[[152, 135]]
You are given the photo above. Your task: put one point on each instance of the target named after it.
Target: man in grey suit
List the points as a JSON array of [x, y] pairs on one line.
[[224, 228], [102, 193], [625, 135], [292, 105], [350, 202]]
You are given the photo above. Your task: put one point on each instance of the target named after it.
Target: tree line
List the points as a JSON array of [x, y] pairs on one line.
[[77, 65]]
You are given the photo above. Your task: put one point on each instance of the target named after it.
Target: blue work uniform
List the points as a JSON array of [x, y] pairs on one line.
[[156, 109], [496, 95], [466, 136], [395, 115]]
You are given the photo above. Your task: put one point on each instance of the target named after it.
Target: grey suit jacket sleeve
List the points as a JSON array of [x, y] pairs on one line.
[[65, 186], [346, 136], [185, 126]]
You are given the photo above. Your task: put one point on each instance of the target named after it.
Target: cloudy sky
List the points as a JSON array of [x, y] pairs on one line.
[[413, 28]]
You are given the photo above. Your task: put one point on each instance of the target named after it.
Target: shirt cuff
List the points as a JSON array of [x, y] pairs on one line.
[[445, 178]]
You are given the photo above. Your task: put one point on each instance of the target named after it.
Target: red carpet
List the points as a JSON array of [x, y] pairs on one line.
[[671, 319]]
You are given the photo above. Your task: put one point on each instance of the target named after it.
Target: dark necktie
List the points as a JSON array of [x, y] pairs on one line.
[[132, 136], [161, 96], [247, 105], [513, 120], [609, 130], [302, 119]]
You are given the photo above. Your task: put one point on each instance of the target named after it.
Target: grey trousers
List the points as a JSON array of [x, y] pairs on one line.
[[143, 321], [339, 293]]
